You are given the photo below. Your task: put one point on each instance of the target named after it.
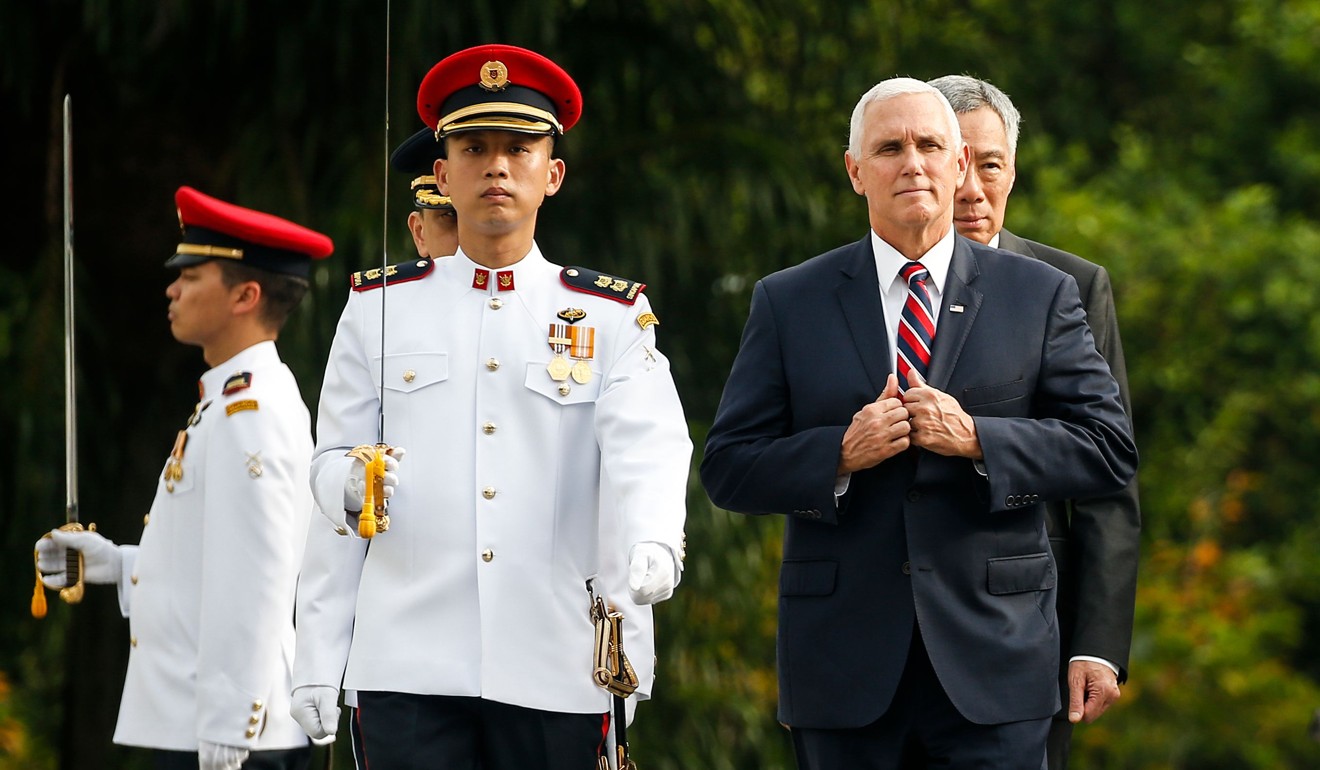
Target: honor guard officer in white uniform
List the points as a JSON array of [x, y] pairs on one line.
[[209, 589], [332, 563], [525, 394]]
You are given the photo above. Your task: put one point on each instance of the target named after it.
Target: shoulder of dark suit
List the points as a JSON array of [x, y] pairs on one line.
[[1068, 262]]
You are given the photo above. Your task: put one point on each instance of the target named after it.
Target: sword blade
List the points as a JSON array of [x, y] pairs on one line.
[[70, 357]]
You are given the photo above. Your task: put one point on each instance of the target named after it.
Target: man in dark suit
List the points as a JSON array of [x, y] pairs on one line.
[[916, 615], [1096, 542]]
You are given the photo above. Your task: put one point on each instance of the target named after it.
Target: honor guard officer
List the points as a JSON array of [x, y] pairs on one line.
[[434, 225], [526, 394], [209, 589]]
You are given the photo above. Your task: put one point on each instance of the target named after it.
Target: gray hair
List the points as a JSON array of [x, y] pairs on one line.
[[967, 93], [888, 89]]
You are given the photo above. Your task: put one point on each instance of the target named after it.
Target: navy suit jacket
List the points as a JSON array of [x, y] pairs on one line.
[[1096, 541], [920, 538]]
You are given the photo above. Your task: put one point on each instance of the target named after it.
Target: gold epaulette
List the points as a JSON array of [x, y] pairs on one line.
[[400, 273], [595, 282]]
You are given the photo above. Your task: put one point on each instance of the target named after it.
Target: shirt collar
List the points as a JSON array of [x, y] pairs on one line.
[[888, 261]]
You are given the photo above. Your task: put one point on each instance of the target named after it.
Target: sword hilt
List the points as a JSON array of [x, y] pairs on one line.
[[72, 592], [374, 517]]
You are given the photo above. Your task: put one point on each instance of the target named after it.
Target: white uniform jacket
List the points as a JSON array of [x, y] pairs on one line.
[[479, 586], [209, 590]]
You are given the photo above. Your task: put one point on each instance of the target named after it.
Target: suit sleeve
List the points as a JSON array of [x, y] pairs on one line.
[[253, 531], [1104, 533], [1077, 442], [755, 462]]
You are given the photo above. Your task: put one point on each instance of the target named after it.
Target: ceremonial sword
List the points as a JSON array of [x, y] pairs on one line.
[[72, 593], [375, 517]]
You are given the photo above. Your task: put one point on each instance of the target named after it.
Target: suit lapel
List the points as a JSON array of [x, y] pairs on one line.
[[859, 296], [960, 304]]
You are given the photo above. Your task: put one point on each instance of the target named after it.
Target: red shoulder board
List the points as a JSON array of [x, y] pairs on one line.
[[591, 281], [400, 273]]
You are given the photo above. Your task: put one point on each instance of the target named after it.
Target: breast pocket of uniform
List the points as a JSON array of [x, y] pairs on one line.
[[566, 392], [411, 381], [407, 373], [1007, 399]]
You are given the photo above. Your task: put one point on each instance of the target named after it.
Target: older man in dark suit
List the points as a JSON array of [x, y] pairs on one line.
[[912, 400], [1096, 542]]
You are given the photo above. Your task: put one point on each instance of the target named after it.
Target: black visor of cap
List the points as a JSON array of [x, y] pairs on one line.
[[253, 255], [512, 94]]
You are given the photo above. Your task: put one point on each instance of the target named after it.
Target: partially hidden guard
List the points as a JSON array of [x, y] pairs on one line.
[[536, 408]]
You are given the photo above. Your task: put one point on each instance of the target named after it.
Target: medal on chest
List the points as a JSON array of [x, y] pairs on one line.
[[174, 465], [579, 342]]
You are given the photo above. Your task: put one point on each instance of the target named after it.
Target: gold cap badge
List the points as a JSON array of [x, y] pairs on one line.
[[494, 76]]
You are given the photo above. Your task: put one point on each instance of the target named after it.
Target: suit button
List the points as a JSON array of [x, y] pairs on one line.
[[1008, 501], [496, 303], [488, 493], [488, 428], [907, 568], [913, 496], [487, 555], [492, 364]]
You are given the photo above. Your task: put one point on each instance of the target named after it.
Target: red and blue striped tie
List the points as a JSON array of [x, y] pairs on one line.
[[916, 327]]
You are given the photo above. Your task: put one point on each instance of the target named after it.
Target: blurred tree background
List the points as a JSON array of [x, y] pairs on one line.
[[1178, 144]]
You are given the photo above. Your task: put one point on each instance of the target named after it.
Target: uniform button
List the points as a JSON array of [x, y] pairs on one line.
[[257, 705], [487, 555], [564, 389], [913, 495], [488, 428], [341, 531], [146, 518], [492, 364], [133, 579], [132, 642], [254, 720], [496, 303], [409, 376], [907, 568], [488, 493], [251, 732]]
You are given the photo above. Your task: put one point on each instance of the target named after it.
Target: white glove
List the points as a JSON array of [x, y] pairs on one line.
[[651, 573], [102, 562], [316, 708], [218, 756], [355, 486]]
